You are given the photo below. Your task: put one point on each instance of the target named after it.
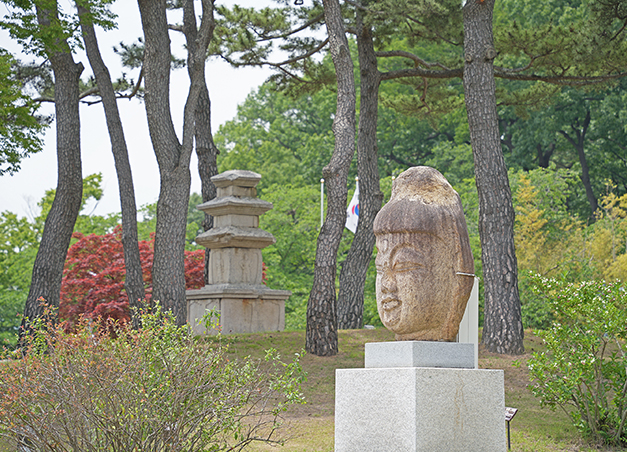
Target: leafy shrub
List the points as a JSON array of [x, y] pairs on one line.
[[583, 369], [155, 389], [94, 272], [536, 313]]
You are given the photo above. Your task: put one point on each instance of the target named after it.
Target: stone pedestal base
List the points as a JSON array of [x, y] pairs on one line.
[[420, 354], [419, 409], [242, 308]]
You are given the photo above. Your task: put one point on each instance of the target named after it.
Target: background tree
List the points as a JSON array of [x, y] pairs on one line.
[[20, 126], [502, 329], [273, 133], [173, 156], [19, 241], [42, 28], [321, 337], [353, 275], [133, 282]]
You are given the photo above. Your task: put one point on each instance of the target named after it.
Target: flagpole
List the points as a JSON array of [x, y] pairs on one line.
[[357, 191], [321, 202]]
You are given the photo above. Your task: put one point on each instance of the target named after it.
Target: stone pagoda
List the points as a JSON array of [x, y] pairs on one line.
[[235, 288]]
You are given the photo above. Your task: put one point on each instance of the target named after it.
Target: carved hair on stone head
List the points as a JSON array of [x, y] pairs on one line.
[[422, 201]]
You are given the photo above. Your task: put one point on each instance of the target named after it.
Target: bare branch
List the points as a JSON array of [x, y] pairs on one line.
[[419, 72], [411, 56], [570, 80], [282, 63], [356, 5], [44, 99], [308, 24], [137, 85], [89, 92]]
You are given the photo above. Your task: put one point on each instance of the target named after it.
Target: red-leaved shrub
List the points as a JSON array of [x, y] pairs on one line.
[[93, 277]]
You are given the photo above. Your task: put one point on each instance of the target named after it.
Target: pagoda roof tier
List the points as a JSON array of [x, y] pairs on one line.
[[235, 237], [241, 178], [235, 205]]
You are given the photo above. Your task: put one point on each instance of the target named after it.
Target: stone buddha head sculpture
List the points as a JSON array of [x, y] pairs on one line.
[[424, 262]]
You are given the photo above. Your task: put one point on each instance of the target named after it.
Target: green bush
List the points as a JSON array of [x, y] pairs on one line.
[[583, 369], [536, 312], [155, 389]]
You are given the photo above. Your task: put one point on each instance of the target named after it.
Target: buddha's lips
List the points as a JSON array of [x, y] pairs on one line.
[[390, 304]]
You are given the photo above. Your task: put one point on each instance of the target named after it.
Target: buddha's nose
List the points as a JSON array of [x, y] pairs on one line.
[[388, 282]]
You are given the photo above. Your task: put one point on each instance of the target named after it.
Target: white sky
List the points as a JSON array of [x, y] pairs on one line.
[[228, 87]]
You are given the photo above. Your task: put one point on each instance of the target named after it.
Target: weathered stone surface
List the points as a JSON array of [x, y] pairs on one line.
[[239, 315], [232, 236], [235, 265], [240, 178], [240, 221], [235, 205], [420, 354], [424, 262], [419, 409], [235, 288], [232, 190], [239, 290]]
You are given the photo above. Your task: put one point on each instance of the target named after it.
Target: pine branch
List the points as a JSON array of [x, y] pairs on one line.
[[411, 56]]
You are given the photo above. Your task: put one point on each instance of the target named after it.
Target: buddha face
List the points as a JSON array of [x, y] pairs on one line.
[[415, 284]]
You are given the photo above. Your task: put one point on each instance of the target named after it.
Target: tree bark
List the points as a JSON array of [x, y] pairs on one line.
[[206, 150], [502, 330], [321, 334], [59, 225], [544, 157], [173, 158], [133, 281], [207, 154], [350, 306]]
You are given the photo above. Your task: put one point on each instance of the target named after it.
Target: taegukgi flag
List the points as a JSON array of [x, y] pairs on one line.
[[352, 213]]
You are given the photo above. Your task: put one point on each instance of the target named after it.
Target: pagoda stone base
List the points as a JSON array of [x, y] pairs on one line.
[[243, 308]]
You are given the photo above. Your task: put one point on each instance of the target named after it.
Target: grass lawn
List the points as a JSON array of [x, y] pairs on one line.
[[311, 426]]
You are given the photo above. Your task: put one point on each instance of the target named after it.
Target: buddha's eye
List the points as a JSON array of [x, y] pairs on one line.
[[407, 259], [406, 266]]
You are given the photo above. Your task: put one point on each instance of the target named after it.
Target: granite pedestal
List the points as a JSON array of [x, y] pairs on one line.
[[448, 406]]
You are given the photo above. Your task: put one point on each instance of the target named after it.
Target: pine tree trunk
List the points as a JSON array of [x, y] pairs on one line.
[[59, 225], [133, 281], [502, 330], [173, 158], [207, 154], [321, 335], [206, 150], [350, 305], [168, 271]]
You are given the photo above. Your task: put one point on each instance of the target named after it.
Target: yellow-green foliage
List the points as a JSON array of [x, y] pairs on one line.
[[545, 238], [550, 242], [600, 245], [617, 269], [610, 230], [531, 234]]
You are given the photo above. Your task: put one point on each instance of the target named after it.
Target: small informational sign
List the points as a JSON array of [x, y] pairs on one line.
[[510, 413]]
